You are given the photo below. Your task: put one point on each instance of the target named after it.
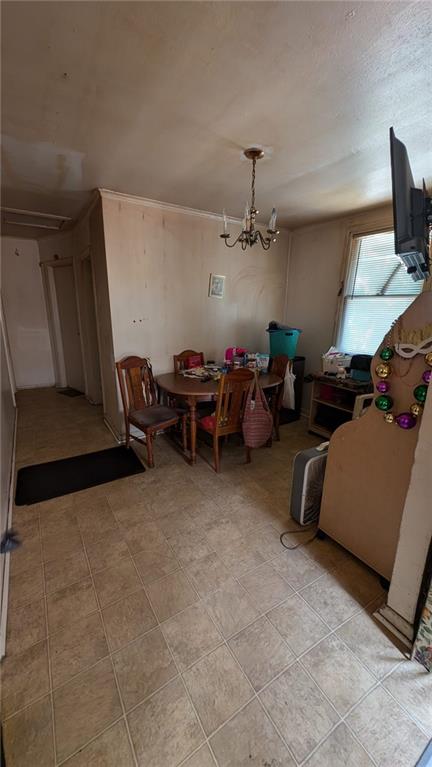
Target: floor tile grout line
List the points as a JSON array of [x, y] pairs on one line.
[[427, 731], [132, 747], [170, 651], [334, 632], [255, 695], [196, 751], [342, 717], [48, 650], [176, 666], [91, 740], [185, 687], [224, 642], [357, 739], [377, 684]]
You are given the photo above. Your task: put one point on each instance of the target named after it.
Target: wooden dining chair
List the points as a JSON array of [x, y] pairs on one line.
[[230, 402], [140, 405], [279, 365], [181, 360]]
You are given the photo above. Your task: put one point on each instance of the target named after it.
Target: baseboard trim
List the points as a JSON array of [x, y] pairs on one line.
[[47, 385], [5, 590], [111, 428], [396, 624]]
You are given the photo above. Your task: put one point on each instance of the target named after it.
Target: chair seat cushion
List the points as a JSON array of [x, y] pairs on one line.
[[153, 416], [208, 422]]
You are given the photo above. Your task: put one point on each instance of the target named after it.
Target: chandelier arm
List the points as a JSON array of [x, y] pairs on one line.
[[233, 244], [265, 241]]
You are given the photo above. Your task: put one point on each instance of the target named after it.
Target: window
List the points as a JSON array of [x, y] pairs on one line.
[[377, 291]]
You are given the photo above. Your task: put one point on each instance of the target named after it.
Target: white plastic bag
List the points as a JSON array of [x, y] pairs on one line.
[[288, 399]]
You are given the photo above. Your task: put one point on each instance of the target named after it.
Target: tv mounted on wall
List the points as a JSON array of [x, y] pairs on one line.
[[412, 213]]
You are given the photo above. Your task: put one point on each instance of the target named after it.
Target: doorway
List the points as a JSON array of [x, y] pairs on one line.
[[69, 292], [88, 327], [62, 312], [64, 281]]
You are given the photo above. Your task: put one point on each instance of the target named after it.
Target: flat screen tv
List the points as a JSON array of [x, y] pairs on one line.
[[412, 213]]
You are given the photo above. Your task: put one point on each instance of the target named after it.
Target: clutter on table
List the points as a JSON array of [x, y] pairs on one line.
[[238, 357], [235, 357]]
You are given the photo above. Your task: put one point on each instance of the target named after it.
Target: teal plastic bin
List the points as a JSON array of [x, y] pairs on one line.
[[283, 341]]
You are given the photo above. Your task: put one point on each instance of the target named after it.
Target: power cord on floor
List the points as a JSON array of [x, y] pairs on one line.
[[295, 532]]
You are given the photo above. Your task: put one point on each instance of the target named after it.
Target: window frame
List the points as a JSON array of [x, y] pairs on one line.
[[348, 260]]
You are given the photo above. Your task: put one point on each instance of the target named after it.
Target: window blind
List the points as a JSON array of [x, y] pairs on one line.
[[377, 291]]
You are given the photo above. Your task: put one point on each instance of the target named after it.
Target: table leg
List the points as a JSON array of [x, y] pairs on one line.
[[193, 429]]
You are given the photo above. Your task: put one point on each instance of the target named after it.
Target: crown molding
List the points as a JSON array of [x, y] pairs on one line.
[[109, 194], [376, 216]]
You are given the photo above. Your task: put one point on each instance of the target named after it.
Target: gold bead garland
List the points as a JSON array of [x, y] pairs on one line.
[[383, 370]]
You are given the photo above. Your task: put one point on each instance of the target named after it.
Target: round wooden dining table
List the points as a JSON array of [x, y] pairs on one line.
[[192, 390]]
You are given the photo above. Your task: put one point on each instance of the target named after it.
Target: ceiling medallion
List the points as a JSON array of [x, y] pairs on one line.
[[249, 235]]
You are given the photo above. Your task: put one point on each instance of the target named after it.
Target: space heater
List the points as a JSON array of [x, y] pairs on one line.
[[307, 483]]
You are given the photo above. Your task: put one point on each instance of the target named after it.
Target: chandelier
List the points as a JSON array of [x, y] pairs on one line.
[[249, 235]]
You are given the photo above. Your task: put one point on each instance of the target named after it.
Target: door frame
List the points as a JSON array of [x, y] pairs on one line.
[[5, 558], [80, 263], [47, 269]]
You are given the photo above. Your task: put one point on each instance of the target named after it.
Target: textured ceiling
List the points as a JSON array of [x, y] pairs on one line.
[[158, 100]]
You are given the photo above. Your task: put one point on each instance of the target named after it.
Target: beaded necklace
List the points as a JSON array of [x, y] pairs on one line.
[[404, 347]]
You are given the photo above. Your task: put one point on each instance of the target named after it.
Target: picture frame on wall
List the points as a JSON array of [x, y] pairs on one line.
[[216, 286]]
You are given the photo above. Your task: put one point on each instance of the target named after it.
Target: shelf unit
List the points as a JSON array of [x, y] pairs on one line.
[[333, 403]]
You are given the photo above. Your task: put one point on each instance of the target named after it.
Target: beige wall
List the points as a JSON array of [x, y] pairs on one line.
[[25, 313], [315, 273], [159, 261]]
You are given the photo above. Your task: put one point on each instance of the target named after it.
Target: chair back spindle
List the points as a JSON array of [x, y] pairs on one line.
[[231, 399], [137, 384]]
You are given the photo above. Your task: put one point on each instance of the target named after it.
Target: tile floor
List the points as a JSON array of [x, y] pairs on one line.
[[157, 621]]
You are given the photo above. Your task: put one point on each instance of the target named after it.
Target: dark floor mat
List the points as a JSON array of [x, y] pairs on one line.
[[70, 392], [50, 480]]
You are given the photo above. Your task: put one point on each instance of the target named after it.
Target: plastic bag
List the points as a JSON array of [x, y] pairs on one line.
[[288, 399]]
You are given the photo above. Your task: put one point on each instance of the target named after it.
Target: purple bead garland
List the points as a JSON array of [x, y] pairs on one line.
[[406, 420], [427, 376], [383, 386]]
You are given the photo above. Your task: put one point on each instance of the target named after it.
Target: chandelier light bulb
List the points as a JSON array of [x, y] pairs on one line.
[[225, 222], [272, 222]]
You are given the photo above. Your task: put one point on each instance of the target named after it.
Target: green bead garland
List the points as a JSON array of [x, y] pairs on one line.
[[384, 402], [420, 393], [386, 353]]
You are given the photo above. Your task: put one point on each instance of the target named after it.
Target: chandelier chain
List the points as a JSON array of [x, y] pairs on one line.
[[253, 184]]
